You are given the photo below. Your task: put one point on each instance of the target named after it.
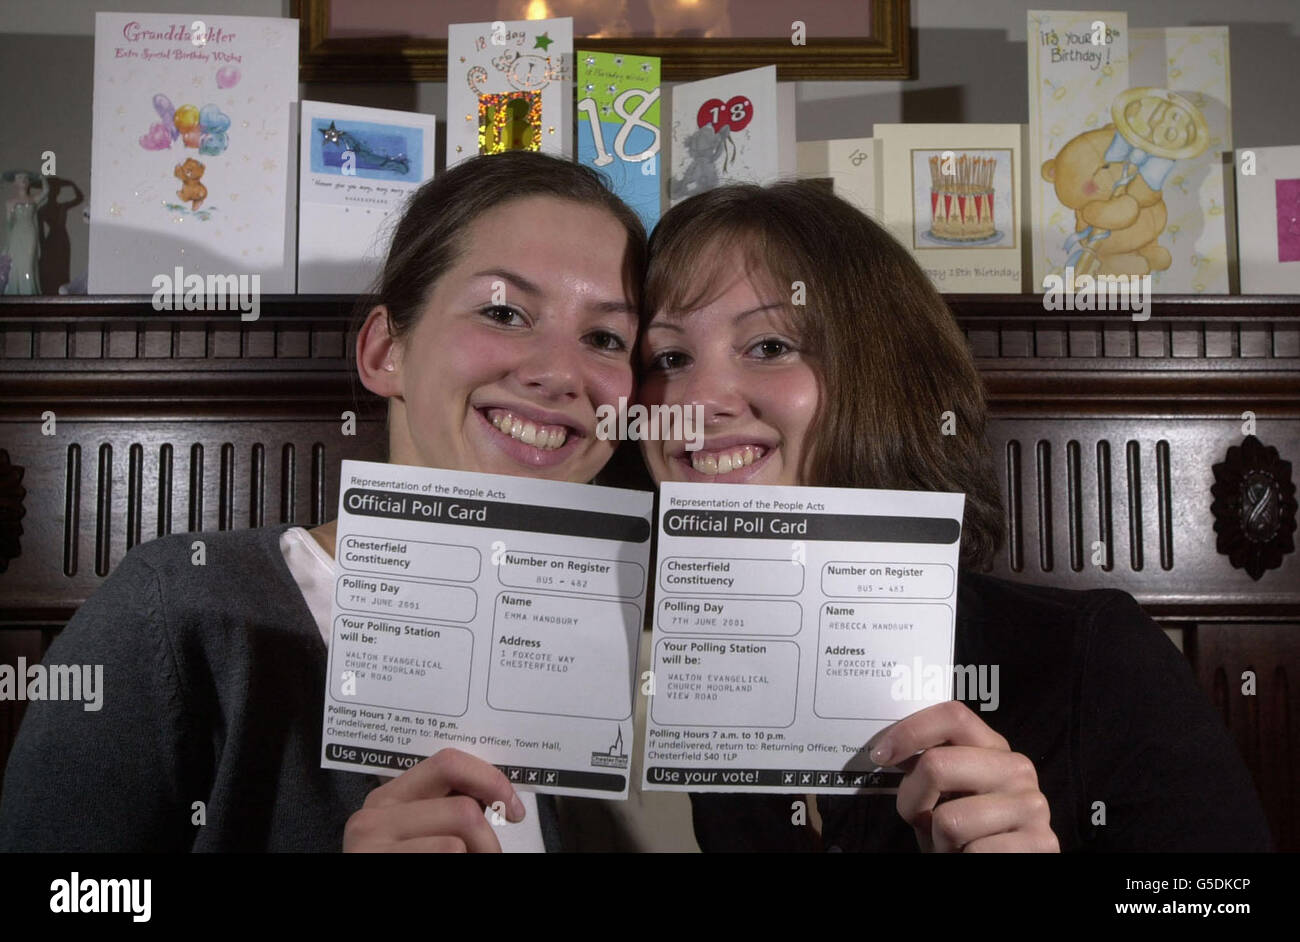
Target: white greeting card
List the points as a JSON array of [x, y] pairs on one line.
[[1078, 63], [735, 128], [356, 169], [954, 201], [1268, 219], [1193, 62], [509, 87], [192, 150], [852, 166]]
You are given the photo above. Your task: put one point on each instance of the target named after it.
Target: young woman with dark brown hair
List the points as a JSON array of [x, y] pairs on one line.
[[1101, 739], [214, 675]]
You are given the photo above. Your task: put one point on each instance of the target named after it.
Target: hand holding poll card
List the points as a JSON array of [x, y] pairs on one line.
[[500, 616], [792, 624], [494, 614]]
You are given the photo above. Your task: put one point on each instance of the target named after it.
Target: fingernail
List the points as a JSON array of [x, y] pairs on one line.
[[880, 752], [516, 807]]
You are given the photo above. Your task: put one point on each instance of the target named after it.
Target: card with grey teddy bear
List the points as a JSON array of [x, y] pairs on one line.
[[730, 129]]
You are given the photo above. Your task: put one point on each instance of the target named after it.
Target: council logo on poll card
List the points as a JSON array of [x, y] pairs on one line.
[[615, 757]]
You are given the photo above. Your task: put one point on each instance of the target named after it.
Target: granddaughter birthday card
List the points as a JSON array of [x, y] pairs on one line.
[[192, 149]]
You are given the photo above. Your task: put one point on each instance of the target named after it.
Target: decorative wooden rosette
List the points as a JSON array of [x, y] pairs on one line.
[[1254, 507]]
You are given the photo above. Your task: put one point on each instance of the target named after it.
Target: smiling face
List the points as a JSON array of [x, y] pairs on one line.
[[738, 357], [524, 337]]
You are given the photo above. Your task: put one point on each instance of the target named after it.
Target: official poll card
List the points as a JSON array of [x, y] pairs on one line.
[[791, 625], [499, 615]]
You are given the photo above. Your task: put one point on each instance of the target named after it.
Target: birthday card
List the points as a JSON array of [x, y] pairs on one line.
[[850, 168], [1192, 62], [192, 149], [618, 126], [729, 129], [1268, 219], [954, 201], [1108, 155], [509, 87], [357, 167]]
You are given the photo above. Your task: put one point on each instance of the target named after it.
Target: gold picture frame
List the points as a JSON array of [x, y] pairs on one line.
[[884, 54]]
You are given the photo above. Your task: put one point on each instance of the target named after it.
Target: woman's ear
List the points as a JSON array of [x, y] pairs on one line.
[[379, 355]]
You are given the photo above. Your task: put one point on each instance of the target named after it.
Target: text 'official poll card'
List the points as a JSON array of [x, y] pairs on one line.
[[791, 624], [496, 614]]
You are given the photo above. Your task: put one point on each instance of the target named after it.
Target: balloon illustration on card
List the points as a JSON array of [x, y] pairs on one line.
[[735, 114], [202, 129], [726, 132]]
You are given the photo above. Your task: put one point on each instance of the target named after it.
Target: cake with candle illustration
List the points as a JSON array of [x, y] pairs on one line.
[[961, 198]]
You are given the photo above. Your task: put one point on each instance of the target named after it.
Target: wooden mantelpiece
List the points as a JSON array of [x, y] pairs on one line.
[[1159, 401], [1104, 431]]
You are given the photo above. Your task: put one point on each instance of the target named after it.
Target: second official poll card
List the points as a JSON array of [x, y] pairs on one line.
[[791, 625], [496, 614]]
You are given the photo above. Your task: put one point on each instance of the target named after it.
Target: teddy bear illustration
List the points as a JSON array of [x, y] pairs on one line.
[[1133, 214], [191, 191], [703, 148]]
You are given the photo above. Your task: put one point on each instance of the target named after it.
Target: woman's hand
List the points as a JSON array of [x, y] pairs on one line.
[[435, 807], [966, 791]]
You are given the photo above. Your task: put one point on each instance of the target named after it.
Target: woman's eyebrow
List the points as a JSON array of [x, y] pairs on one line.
[[756, 310], [612, 306], [662, 323], [516, 279]]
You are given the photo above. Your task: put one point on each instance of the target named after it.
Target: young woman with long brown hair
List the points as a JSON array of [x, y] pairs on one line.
[[1101, 739], [214, 675]]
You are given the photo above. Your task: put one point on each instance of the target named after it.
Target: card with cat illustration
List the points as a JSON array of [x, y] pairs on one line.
[[509, 87]]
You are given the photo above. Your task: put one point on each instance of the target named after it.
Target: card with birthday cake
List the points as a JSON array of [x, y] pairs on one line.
[[509, 87], [951, 195], [192, 150]]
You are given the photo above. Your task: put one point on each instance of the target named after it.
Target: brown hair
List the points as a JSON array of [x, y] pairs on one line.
[[888, 354], [428, 239]]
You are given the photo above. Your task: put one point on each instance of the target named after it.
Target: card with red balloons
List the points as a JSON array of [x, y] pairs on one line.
[[192, 149], [729, 129]]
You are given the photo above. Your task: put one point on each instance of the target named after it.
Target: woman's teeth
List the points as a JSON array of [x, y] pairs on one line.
[[546, 437], [722, 462]]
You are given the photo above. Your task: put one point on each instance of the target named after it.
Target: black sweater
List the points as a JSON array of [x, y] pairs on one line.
[[213, 691], [1102, 702]]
